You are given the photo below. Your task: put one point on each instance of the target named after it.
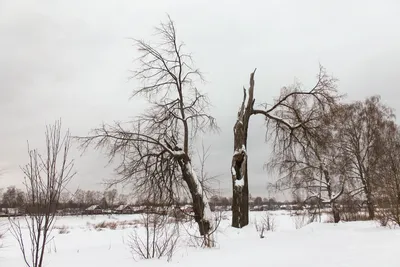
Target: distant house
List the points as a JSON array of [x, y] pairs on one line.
[[125, 209], [10, 211], [94, 209]]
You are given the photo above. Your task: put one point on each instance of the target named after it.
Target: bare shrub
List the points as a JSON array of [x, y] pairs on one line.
[[62, 229], [204, 241], [382, 219], [303, 219], [160, 238], [266, 224], [329, 219]]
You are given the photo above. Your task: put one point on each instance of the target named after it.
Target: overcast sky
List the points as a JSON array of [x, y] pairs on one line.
[[71, 60]]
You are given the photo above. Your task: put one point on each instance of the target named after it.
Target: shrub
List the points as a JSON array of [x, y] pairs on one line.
[[160, 238], [301, 220], [63, 230], [267, 223]]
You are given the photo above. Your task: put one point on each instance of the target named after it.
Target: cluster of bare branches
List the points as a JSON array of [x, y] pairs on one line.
[[160, 238], [45, 178], [202, 241], [265, 224]]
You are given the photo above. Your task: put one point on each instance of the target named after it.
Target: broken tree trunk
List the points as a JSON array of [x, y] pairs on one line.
[[240, 198]]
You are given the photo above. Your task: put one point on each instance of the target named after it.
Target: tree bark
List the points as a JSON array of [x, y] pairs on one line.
[[335, 213], [201, 207], [370, 206], [240, 198], [334, 208], [368, 195]]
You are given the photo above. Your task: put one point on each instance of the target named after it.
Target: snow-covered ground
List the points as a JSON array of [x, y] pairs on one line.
[[316, 244]]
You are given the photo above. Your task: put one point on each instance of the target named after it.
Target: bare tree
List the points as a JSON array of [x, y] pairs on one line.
[[361, 141], [155, 148], [388, 187], [45, 178], [110, 196], [282, 129], [312, 165]]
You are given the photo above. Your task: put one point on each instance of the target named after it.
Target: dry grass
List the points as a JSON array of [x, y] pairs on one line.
[[113, 225], [106, 225], [354, 216], [62, 229]]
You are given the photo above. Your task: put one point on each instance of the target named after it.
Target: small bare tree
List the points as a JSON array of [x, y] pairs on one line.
[[282, 129], [265, 224], [155, 149], [45, 178]]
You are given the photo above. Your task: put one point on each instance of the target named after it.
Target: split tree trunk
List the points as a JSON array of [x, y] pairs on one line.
[[240, 198]]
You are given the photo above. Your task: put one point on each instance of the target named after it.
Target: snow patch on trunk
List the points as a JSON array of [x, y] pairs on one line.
[[240, 150], [233, 171], [207, 210], [239, 183]]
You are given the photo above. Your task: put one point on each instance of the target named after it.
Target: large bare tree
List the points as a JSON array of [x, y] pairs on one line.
[[155, 147], [361, 140], [281, 129], [46, 176], [312, 165]]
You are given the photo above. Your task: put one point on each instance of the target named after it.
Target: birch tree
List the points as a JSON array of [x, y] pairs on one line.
[[388, 191], [361, 140], [155, 147], [281, 129]]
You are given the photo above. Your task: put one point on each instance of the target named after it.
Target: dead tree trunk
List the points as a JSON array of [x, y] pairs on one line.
[[240, 198]]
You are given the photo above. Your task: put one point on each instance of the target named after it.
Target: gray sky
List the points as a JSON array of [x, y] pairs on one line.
[[70, 59]]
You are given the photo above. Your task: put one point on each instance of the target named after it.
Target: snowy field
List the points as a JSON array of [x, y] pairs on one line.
[[317, 244]]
